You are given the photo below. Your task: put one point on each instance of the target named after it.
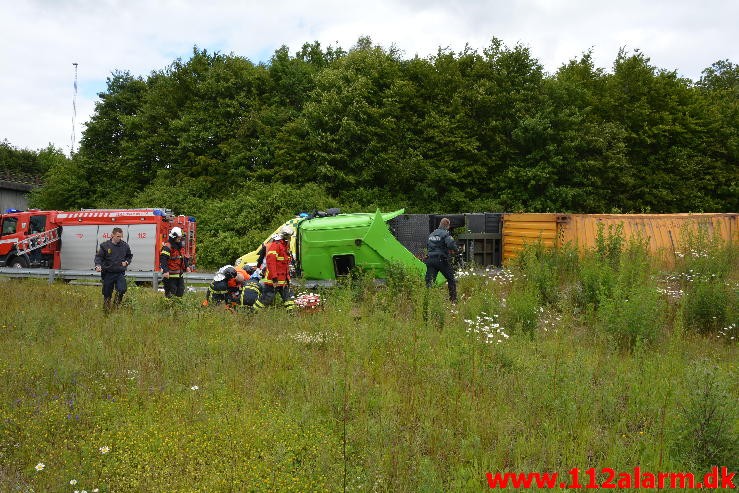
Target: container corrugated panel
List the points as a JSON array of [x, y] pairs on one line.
[[412, 231], [493, 222], [664, 232], [456, 220], [522, 229], [483, 241], [475, 223]]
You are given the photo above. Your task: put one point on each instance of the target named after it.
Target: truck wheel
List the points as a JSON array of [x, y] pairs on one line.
[[19, 263]]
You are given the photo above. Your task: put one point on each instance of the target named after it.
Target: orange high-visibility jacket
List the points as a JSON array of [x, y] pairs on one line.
[[278, 263]]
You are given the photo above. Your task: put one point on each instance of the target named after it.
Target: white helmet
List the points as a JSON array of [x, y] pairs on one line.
[[287, 231], [176, 231]]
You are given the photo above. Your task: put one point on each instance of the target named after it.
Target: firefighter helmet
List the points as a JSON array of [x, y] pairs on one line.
[[287, 231], [229, 272], [175, 232]]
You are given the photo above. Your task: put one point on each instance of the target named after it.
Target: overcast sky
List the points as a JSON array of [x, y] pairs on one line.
[[41, 39]]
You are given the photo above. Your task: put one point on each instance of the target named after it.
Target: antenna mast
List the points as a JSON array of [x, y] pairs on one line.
[[74, 110]]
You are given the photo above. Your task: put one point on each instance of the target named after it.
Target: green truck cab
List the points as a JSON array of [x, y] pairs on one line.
[[330, 247]]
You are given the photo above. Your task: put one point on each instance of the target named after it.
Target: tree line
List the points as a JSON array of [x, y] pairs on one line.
[[243, 145]]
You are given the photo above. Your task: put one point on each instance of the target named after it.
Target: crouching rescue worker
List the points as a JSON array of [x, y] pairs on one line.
[[174, 264], [250, 293], [277, 272], [219, 290], [112, 259], [438, 246], [235, 285]]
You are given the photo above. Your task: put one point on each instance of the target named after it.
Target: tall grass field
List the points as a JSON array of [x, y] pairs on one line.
[[560, 361]]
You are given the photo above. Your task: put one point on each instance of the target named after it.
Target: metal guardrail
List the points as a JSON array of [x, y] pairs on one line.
[[148, 277]]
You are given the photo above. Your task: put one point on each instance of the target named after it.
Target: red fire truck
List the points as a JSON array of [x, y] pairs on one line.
[[69, 240]]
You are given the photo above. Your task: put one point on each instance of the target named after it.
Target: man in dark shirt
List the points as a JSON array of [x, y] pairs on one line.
[[438, 245], [112, 259]]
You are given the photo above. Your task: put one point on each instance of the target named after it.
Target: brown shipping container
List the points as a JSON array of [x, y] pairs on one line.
[[663, 231]]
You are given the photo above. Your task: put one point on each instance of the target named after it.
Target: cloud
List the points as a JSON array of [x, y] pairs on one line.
[[42, 38]]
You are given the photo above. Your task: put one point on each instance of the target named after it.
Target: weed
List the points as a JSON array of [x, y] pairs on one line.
[[706, 306], [609, 243], [708, 433], [596, 284], [521, 313], [633, 314], [386, 388]]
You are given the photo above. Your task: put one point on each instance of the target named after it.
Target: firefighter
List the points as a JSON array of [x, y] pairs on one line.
[[277, 272], [250, 292], [112, 259], [174, 264], [235, 284], [438, 246], [219, 290]]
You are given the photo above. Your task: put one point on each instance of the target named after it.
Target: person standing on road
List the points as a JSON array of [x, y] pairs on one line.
[[438, 246], [174, 264], [112, 259]]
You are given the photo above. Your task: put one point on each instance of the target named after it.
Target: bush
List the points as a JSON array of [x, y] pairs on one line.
[[401, 281], [521, 312], [706, 306], [705, 255], [633, 314], [538, 265], [609, 245], [708, 433], [596, 284]]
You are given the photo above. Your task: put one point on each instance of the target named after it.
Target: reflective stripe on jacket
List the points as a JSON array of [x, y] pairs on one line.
[[172, 260]]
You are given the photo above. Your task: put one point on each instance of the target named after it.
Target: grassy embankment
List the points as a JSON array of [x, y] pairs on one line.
[[560, 362]]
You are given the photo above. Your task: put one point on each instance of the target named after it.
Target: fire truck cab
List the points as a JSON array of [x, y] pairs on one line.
[[69, 240], [19, 236]]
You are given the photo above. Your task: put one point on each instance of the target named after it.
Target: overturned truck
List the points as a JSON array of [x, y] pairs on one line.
[[328, 247], [331, 246]]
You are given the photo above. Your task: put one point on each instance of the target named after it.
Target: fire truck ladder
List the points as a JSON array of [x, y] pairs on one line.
[[36, 241]]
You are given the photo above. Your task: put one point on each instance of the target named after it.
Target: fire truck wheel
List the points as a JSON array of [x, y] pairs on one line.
[[18, 263]]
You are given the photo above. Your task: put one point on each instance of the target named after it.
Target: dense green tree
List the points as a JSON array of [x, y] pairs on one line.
[[719, 87], [24, 163], [336, 138], [573, 156], [465, 131], [65, 184], [666, 122]]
